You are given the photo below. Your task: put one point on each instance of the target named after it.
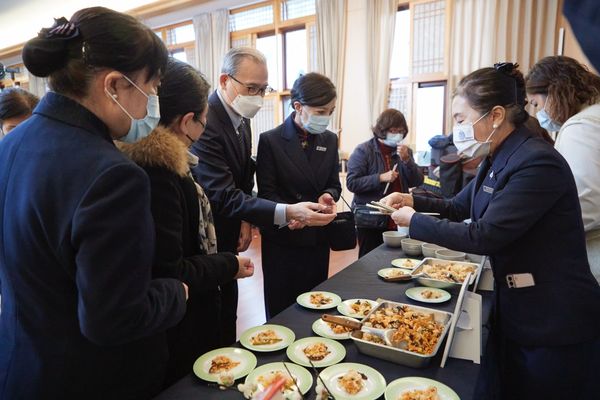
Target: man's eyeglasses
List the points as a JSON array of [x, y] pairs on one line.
[[254, 90], [197, 119]]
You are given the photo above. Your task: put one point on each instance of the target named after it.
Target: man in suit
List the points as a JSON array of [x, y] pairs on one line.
[[226, 170]]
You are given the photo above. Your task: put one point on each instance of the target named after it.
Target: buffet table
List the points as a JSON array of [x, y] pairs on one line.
[[359, 280]]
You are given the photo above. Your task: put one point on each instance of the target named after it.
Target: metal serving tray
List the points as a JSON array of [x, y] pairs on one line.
[[436, 283], [399, 356]]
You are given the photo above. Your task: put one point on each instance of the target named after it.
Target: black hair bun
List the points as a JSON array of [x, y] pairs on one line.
[[43, 56]]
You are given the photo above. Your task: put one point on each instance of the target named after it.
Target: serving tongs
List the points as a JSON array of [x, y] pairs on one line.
[[387, 210], [385, 334]]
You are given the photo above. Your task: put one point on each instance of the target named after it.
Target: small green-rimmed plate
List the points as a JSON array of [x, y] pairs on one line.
[[406, 263], [393, 272], [285, 334], [246, 360], [332, 300], [295, 351], [323, 329], [373, 386], [417, 293], [266, 373], [396, 388], [364, 306]]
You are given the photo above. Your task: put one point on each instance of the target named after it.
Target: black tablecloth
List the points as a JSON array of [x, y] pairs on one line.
[[359, 280]]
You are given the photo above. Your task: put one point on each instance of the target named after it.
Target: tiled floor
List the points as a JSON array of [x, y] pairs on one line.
[[251, 310]]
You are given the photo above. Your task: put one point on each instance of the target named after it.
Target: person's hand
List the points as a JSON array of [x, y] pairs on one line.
[[187, 291], [327, 200], [293, 225], [308, 213], [403, 152], [398, 200], [245, 268], [389, 176], [402, 216], [245, 237]]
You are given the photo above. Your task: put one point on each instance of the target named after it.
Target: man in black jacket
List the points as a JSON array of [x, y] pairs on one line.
[[226, 170]]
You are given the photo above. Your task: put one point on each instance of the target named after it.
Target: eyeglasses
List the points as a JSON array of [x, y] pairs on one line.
[[254, 90], [197, 119]]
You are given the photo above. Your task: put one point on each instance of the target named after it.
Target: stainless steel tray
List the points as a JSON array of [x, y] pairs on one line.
[[399, 356], [436, 283]]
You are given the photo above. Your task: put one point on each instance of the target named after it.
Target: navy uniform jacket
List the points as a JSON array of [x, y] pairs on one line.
[[366, 164], [225, 171], [286, 175], [526, 217], [80, 315]]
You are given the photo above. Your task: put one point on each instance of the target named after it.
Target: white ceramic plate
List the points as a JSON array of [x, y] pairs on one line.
[[416, 293], [285, 334], [304, 300], [386, 272], [396, 388], [247, 362], [345, 308], [373, 386], [295, 352], [406, 263], [303, 378], [323, 329]]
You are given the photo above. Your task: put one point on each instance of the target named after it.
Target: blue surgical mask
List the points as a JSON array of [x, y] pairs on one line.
[[317, 124], [392, 139], [463, 136], [546, 122], [140, 128]]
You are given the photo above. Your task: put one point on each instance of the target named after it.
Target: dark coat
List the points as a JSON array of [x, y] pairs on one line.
[[366, 164], [175, 209], [286, 175], [81, 317], [526, 217], [226, 173]]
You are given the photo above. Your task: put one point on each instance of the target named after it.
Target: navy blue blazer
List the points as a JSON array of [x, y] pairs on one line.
[[226, 173], [81, 317], [366, 164], [526, 216], [286, 175]]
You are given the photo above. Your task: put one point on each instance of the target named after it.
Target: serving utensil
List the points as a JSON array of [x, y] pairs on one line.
[[330, 395], [385, 334], [293, 379]]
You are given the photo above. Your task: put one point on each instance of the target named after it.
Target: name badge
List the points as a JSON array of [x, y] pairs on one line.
[[488, 189], [321, 148]]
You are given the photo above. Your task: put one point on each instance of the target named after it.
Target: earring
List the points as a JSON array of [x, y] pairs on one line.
[[114, 95], [494, 126]]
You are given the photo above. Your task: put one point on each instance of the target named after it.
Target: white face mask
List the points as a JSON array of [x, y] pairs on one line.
[[247, 106], [393, 139], [465, 142]]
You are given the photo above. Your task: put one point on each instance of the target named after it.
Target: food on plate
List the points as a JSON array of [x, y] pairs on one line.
[[319, 299], [272, 376], [428, 394], [395, 273], [265, 337], [419, 330], [430, 294], [352, 381], [316, 351], [222, 364], [408, 263], [361, 307], [339, 329], [450, 272], [373, 338]]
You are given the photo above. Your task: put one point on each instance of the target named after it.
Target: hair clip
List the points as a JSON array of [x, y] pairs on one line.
[[62, 29]]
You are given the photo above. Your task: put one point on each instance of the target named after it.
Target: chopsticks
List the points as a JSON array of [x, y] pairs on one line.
[[293, 379], [319, 378], [387, 185]]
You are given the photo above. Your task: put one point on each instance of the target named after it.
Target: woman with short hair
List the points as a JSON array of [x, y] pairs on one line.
[[16, 105]]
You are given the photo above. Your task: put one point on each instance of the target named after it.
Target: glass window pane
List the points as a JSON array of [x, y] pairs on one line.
[[312, 33], [399, 99], [251, 18], [263, 121], [286, 106], [429, 114], [429, 30], [291, 9], [180, 55], [268, 46], [181, 34], [295, 56], [401, 51]]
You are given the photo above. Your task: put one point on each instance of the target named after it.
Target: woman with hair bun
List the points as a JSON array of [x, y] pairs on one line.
[[81, 317], [525, 216], [16, 105], [566, 97]]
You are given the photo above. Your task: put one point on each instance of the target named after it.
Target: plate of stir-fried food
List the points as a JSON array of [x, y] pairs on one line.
[[332, 330], [224, 365], [417, 388], [319, 300], [266, 374], [266, 338], [353, 381], [356, 308], [322, 352]]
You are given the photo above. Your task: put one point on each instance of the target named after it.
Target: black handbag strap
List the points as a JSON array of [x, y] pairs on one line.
[[342, 197]]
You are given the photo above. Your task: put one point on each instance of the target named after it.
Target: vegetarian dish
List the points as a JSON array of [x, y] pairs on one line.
[[395, 273], [339, 329], [316, 351], [428, 394], [352, 381], [361, 307], [319, 299], [222, 364], [431, 294], [450, 272], [265, 337]]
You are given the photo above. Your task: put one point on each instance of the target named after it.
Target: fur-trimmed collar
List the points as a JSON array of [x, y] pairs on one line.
[[159, 149]]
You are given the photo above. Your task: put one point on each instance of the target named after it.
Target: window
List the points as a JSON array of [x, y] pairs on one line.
[[418, 69], [285, 32], [180, 40]]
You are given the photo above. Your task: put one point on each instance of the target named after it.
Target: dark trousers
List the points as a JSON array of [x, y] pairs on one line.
[[368, 239], [229, 303], [289, 271]]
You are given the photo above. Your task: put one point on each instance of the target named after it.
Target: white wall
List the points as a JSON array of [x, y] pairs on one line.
[[356, 127]]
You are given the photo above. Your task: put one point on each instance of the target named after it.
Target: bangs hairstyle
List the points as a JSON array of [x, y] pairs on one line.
[[567, 83], [313, 90], [106, 39], [503, 86], [390, 118], [183, 89]]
